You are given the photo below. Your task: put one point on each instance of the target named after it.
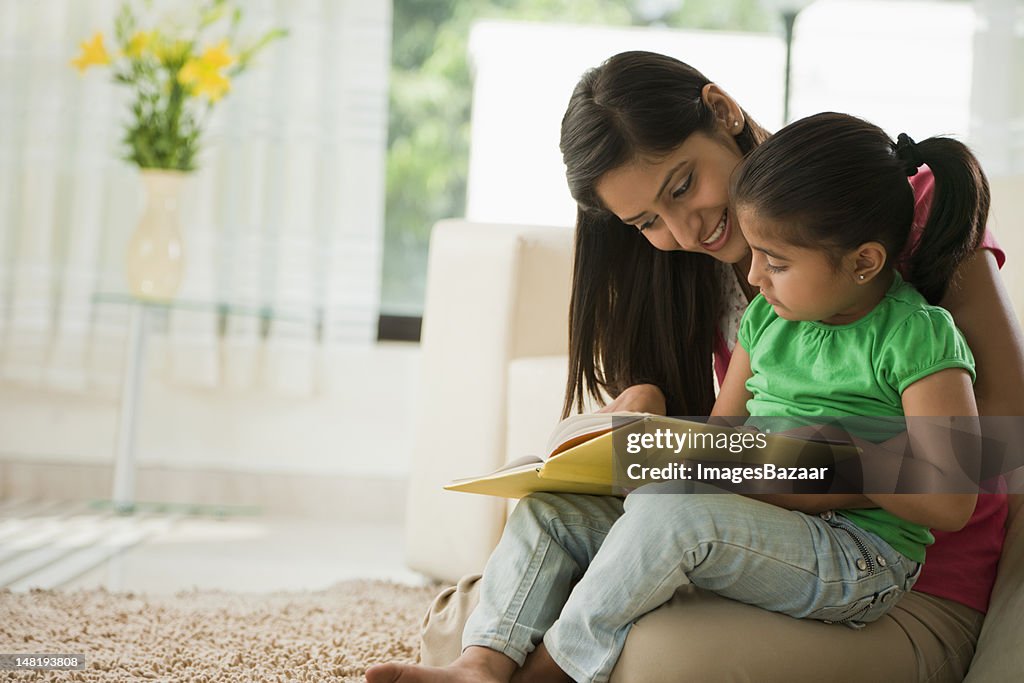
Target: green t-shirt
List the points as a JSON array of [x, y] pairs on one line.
[[810, 369]]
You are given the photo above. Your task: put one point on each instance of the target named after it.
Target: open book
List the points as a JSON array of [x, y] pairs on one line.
[[592, 453]]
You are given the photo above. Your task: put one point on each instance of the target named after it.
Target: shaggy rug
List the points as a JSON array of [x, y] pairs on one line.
[[215, 636]]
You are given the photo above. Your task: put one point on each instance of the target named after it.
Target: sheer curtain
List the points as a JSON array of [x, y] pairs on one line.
[[286, 211]]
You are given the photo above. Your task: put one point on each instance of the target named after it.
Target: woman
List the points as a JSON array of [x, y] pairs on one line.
[[649, 145]]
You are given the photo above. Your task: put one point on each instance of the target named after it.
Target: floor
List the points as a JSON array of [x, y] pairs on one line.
[[70, 545]]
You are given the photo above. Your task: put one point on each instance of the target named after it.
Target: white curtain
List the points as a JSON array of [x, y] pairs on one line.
[[285, 213]]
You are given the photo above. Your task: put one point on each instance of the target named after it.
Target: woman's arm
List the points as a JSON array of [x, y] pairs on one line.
[[982, 310]]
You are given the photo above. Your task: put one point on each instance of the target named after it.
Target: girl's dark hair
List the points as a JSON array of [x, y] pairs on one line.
[[637, 315], [839, 181]]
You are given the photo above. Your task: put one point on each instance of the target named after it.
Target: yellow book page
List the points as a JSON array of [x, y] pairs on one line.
[[516, 484]]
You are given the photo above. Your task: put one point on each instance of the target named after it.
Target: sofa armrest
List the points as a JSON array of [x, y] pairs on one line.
[[494, 293]]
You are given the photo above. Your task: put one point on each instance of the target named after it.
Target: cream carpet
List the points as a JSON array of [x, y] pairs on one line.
[[214, 636]]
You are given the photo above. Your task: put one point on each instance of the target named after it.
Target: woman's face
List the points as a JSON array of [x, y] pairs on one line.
[[681, 200]]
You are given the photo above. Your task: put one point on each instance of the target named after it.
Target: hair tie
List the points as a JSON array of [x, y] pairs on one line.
[[907, 152]]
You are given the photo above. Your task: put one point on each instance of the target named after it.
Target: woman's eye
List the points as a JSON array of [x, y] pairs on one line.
[[679, 191], [646, 224], [773, 269]]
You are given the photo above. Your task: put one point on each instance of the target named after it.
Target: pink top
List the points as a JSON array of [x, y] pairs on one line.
[[961, 565]]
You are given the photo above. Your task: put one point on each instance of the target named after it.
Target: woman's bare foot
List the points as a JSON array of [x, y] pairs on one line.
[[476, 665], [540, 668]]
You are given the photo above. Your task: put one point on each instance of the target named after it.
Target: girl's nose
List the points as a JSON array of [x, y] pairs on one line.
[[756, 273]]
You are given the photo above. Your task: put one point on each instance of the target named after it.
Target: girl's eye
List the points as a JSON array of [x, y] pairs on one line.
[[646, 224], [773, 269], [679, 191]]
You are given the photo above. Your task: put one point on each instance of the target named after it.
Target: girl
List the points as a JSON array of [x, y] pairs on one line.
[[835, 330], [649, 141]]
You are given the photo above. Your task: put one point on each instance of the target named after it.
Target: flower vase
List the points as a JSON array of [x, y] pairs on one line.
[[155, 259]]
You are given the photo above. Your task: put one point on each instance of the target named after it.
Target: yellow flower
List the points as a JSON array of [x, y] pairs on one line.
[[218, 57], [93, 54], [169, 51], [202, 75], [138, 44]]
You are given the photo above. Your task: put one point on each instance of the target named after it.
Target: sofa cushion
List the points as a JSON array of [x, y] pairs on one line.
[[535, 389]]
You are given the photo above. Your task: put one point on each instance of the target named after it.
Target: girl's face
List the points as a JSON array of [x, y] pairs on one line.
[[681, 200], [799, 283]]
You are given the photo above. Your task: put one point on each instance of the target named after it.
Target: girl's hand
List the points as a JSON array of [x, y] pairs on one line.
[[639, 398]]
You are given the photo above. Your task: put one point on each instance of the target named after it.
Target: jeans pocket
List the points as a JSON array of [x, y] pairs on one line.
[[883, 602], [912, 575], [841, 614]]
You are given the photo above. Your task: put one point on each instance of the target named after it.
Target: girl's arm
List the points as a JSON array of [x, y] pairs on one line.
[[945, 393]]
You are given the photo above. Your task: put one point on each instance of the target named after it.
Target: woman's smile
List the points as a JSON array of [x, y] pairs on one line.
[[720, 236]]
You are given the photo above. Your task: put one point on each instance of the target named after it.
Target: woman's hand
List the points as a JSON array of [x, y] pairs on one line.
[[639, 398]]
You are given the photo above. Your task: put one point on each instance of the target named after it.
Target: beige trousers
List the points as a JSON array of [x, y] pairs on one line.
[[701, 637]]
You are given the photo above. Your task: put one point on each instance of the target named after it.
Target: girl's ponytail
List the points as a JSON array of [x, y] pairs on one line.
[[958, 213]]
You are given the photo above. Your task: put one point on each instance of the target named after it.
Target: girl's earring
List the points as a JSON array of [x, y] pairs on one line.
[[861, 277]]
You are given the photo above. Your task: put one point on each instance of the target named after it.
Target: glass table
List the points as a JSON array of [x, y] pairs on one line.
[[143, 314]]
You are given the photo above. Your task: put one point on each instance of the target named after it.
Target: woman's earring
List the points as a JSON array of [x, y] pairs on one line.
[[861, 277]]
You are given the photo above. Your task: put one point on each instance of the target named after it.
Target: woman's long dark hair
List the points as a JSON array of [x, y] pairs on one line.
[[839, 181], [637, 315]]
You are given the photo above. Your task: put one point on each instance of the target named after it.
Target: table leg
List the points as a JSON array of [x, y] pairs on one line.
[[124, 456]]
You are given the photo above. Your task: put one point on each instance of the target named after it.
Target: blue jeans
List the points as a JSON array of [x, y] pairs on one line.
[[576, 571]]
